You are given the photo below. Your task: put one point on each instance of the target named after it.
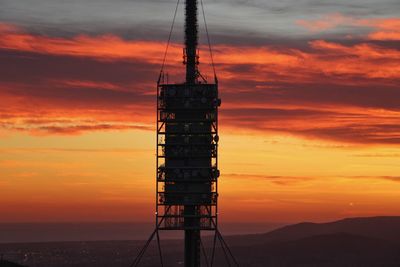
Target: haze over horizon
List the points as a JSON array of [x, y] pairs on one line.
[[309, 122]]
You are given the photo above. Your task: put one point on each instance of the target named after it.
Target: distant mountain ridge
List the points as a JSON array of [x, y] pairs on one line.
[[380, 227], [352, 242], [364, 242], [384, 227]]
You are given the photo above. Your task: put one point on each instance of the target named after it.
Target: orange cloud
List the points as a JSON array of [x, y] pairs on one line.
[[331, 84], [88, 84], [8, 28], [383, 28], [109, 47], [385, 36], [102, 47], [329, 21], [387, 24], [358, 60], [387, 29]]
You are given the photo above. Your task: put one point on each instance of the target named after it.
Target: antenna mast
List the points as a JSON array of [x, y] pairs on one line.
[[191, 41]]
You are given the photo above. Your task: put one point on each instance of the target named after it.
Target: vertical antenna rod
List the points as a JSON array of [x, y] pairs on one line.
[[191, 40]]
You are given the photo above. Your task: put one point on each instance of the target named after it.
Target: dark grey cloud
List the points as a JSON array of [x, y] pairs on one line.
[[51, 78], [361, 95], [338, 125], [276, 113], [76, 129], [35, 67], [382, 177], [289, 180], [276, 179], [146, 19]]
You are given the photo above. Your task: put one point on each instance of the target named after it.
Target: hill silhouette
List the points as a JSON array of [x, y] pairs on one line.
[[382, 227], [363, 242], [377, 227], [373, 241]]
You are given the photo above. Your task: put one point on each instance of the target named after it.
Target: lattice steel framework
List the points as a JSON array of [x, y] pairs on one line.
[[187, 149], [187, 156]]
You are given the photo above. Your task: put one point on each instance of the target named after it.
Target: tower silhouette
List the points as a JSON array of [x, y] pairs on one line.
[[187, 152]]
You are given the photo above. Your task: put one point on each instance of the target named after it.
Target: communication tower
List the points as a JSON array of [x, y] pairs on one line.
[[187, 152]]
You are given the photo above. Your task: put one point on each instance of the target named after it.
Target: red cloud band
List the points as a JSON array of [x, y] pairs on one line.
[[109, 81]]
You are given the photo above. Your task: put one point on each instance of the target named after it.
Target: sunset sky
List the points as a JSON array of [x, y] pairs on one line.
[[309, 122]]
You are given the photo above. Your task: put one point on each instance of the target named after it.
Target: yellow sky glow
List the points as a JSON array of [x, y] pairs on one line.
[[110, 176]]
